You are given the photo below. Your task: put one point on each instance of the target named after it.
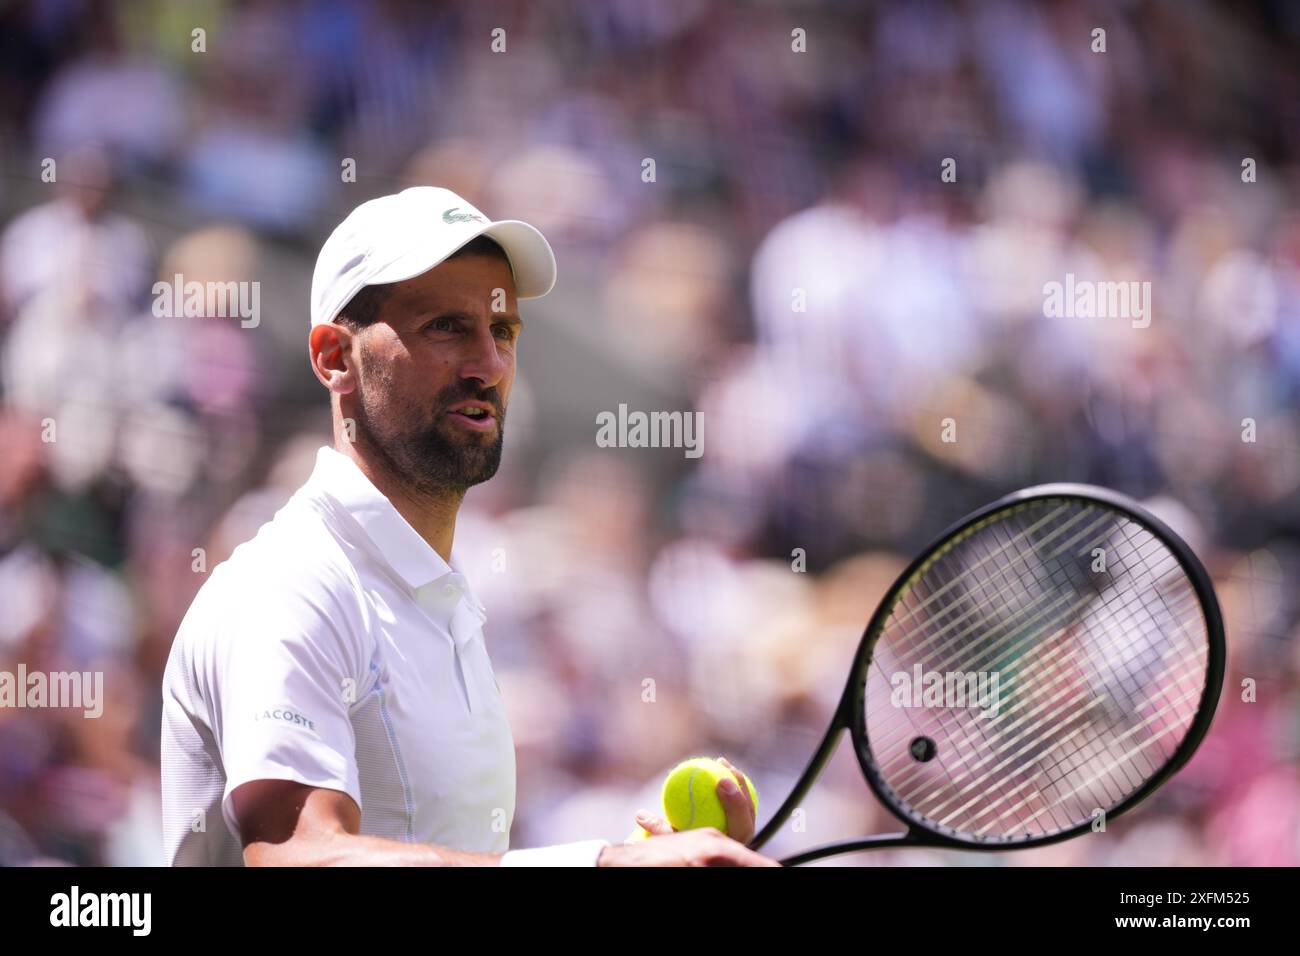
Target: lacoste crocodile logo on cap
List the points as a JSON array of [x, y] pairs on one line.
[[451, 215]]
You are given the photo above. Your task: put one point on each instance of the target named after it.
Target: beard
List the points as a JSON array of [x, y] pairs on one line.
[[428, 454]]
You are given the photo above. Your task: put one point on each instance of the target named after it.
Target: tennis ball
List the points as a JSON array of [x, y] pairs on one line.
[[637, 835], [691, 794]]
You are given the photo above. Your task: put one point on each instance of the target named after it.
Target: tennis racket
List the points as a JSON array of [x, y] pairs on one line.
[[1054, 657]]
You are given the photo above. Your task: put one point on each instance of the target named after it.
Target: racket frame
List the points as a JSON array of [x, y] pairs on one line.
[[851, 710]]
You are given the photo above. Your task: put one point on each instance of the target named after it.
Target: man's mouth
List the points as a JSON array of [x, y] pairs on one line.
[[478, 416]]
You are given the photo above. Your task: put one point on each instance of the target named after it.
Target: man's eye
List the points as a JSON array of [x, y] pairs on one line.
[[441, 325], [503, 332]]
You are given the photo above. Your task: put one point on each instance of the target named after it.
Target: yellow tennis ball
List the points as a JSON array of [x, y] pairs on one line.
[[691, 794]]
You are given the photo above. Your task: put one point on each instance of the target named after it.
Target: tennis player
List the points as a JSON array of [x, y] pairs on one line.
[[329, 697]]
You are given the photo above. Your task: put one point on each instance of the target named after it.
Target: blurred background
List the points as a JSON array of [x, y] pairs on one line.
[[775, 171]]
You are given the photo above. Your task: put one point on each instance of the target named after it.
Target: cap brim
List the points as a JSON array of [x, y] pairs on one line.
[[531, 260]]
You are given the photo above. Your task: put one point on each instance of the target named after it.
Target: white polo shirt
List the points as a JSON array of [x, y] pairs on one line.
[[338, 649]]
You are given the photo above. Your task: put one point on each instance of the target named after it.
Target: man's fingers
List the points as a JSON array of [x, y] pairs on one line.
[[739, 811], [744, 784], [656, 825]]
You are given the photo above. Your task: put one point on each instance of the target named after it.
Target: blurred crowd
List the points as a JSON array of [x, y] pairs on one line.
[[792, 265]]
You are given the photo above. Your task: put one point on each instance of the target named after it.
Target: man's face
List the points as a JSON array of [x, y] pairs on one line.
[[435, 371]]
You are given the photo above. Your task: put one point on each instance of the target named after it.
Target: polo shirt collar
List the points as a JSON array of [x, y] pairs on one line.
[[397, 542]]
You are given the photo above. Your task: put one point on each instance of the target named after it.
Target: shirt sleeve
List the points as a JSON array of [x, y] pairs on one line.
[[583, 853], [283, 679]]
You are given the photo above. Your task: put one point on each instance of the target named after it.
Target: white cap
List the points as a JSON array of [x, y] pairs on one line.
[[405, 235]]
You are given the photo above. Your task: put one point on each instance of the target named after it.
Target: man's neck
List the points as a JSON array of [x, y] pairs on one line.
[[433, 516]]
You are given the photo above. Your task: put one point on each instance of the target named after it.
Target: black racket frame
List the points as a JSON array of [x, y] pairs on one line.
[[850, 712]]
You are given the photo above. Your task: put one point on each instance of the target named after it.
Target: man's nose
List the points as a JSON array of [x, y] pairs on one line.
[[482, 359]]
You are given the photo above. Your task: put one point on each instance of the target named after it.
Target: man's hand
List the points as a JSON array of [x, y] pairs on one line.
[[703, 847], [741, 824]]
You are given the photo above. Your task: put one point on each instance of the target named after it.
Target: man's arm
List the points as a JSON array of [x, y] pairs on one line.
[[285, 823]]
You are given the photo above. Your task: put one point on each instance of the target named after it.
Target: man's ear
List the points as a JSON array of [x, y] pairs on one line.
[[333, 358]]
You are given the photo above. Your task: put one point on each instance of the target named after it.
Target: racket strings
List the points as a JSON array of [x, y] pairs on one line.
[[1029, 737], [1086, 591], [1000, 550], [1049, 781], [1063, 751], [1084, 812], [1035, 612], [995, 650], [916, 614], [1053, 714], [1104, 671], [1124, 756]]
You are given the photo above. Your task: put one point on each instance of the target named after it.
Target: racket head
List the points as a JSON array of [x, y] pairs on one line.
[[932, 808]]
